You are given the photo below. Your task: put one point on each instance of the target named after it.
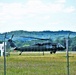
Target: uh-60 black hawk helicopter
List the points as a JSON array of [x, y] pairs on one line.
[[44, 46]]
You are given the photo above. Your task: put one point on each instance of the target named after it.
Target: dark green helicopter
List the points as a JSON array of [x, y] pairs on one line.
[[45, 46]]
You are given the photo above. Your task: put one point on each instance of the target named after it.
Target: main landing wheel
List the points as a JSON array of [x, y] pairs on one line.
[[50, 52]]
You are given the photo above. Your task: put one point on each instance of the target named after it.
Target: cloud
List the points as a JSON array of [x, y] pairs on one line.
[[32, 13], [70, 9], [12, 8], [31, 9], [54, 8], [46, 17], [32, 6], [54, 23], [60, 1], [37, 6]]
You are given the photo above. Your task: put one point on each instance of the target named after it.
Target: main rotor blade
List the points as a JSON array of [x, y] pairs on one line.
[[35, 38]]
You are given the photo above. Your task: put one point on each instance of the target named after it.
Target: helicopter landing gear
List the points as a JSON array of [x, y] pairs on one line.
[[50, 52], [54, 52], [20, 53]]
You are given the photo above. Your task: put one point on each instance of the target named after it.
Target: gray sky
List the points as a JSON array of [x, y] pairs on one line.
[[37, 15]]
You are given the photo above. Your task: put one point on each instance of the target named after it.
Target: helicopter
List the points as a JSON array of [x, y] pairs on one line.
[[44, 46]]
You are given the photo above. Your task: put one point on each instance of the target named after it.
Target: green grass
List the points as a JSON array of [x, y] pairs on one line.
[[37, 64]]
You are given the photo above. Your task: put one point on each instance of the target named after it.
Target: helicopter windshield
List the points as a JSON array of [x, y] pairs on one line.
[[59, 45]]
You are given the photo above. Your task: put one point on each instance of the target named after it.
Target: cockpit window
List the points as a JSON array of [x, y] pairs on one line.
[[59, 45]]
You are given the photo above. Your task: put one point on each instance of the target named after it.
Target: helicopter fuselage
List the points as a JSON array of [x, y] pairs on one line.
[[41, 47]]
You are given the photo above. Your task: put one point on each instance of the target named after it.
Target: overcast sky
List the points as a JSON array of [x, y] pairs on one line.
[[37, 15]]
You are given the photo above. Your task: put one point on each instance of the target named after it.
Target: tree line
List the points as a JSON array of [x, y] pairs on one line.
[[52, 35]]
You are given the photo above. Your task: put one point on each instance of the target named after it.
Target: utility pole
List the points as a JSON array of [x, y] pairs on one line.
[[4, 55]]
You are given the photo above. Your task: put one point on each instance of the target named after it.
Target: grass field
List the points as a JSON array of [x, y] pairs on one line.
[[37, 64]]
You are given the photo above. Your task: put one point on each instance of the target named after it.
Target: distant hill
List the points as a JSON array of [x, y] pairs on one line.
[[54, 36], [40, 34]]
